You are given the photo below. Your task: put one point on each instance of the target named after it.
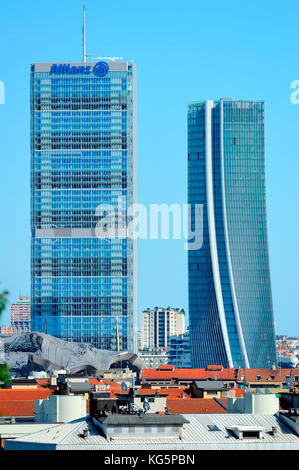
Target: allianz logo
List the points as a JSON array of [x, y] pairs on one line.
[[100, 69]]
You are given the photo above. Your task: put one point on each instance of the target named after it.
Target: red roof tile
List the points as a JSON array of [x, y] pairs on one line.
[[166, 367], [195, 405], [43, 382], [93, 381], [239, 392], [265, 374], [24, 394], [20, 402], [188, 374], [17, 408]]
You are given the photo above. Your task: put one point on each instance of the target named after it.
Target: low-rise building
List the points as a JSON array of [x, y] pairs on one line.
[[208, 388], [153, 358], [193, 432], [267, 380], [18, 404], [168, 375]]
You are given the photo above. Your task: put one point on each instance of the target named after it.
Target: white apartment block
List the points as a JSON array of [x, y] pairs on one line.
[[158, 325]]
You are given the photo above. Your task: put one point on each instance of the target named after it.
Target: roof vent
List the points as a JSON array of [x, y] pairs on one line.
[[85, 433], [246, 432]]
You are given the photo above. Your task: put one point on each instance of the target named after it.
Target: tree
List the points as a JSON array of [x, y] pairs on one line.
[[4, 369]]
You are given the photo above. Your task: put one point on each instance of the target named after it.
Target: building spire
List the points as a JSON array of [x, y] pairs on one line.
[[83, 34]]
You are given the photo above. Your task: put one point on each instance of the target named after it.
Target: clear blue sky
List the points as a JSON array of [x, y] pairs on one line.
[[184, 51]]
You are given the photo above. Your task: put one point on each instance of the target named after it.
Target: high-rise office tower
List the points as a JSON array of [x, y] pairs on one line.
[[83, 163], [230, 300]]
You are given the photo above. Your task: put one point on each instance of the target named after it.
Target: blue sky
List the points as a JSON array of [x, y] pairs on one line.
[[184, 51]]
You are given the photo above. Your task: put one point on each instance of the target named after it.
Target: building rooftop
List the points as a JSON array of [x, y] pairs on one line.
[[20, 402], [188, 374], [201, 432], [216, 372], [262, 375], [196, 405], [210, 385], [143, 419], [81, 387]]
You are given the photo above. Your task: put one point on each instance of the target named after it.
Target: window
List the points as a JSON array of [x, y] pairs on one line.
[[251, 434], [213, 427], [117, 430]]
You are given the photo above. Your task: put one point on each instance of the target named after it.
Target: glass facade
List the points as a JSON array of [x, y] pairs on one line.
[[83, 156], [179, 351], [230, 300]]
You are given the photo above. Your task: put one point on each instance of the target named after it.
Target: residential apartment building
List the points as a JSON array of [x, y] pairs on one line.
[[158, 324]]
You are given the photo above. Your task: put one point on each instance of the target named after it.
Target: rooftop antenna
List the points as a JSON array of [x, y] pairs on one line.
[[83, 32], [92, 56]]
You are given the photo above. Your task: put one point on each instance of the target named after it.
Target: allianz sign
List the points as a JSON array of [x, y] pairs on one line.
[[100, 69]]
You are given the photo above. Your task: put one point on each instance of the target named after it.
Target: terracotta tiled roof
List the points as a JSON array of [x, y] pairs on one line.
[[195, 405], [166, 367], [239, 392], [93, 381], [43, 382], [176, 392], [277, 375], [187, 374], [20, 402], [23, 394], [17, 408], [151, 391]]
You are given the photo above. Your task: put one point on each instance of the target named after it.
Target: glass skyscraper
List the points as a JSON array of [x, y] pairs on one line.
[[83, 157], [230, 300]]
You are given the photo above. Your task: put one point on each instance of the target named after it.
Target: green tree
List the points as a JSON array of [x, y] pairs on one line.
[[4, 369]]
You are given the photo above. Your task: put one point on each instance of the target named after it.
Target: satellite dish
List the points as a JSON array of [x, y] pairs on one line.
[[124, 387], [146, 406]]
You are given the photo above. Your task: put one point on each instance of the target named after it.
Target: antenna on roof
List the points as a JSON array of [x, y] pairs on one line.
[[83, 33], [92, 56]]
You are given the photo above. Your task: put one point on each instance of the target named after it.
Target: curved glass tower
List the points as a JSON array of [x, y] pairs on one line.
[[230, 300]]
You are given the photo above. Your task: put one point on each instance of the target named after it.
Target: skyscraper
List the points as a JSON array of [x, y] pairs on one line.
[[83, 159], [230, 300]]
